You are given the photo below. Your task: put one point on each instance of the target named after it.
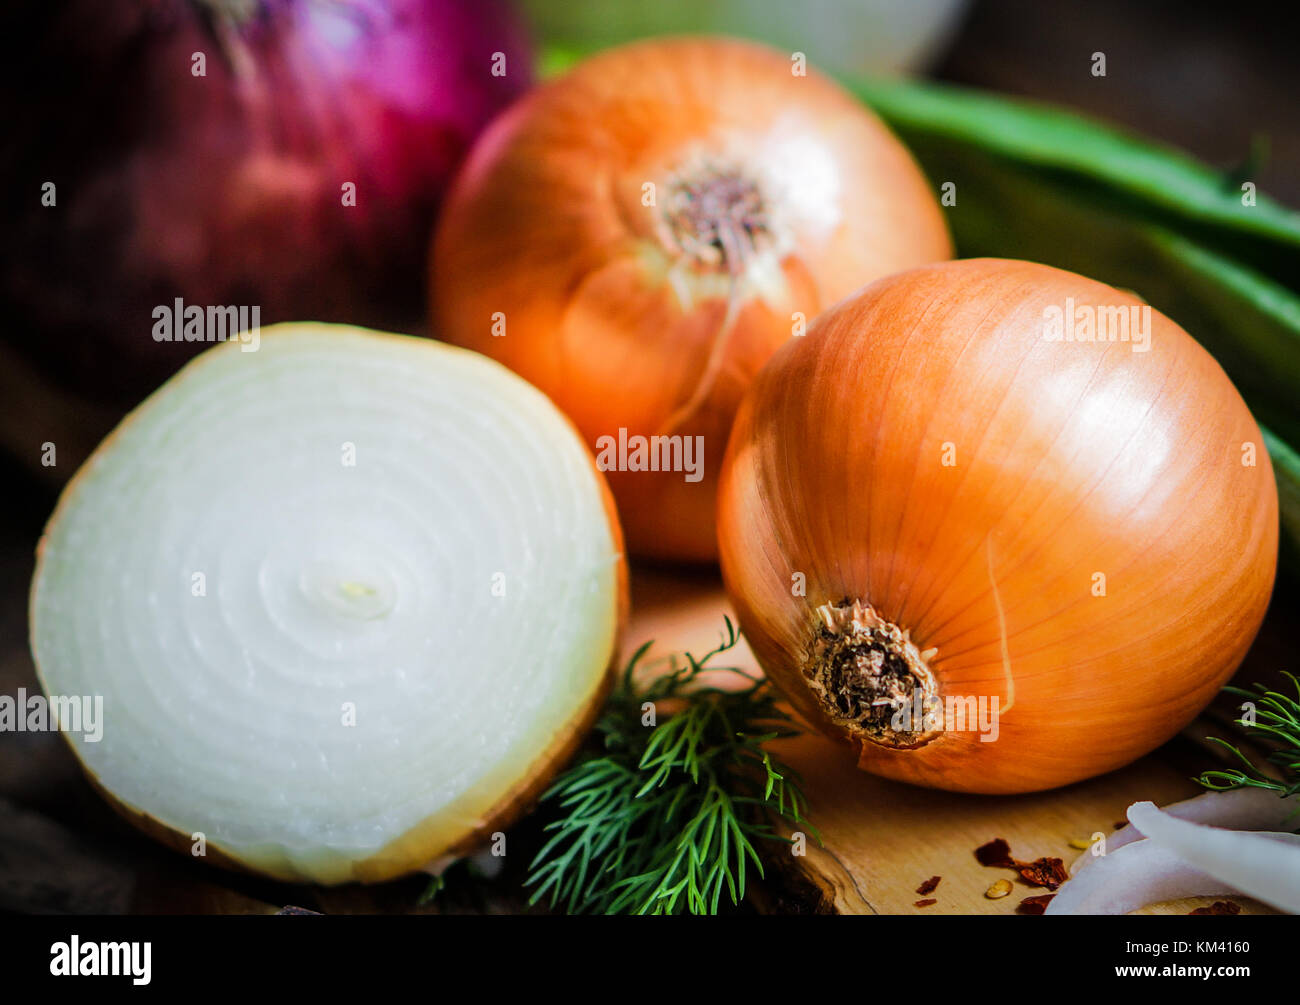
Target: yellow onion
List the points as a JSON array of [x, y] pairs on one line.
[[947, 499], [639, 236]]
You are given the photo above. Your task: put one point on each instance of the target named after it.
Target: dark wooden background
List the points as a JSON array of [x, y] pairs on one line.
[[1203, 76]]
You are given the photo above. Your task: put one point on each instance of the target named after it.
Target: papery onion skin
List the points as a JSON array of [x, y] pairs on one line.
[[548, 259], [1069, 460], [455, 829], [227, 188]]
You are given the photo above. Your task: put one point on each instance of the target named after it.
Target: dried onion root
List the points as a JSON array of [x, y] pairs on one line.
[[348, 599]]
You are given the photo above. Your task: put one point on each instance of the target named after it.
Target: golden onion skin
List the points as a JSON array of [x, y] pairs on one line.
[[1084, 532], [547, 230]]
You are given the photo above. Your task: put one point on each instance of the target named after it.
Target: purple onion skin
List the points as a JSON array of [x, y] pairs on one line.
[[227, 189]]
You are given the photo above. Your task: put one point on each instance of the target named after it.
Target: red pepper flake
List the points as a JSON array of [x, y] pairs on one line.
[[1046, 872], [996, 854], [929, 885], [925, 903], [1035, 905], [1219, 907]]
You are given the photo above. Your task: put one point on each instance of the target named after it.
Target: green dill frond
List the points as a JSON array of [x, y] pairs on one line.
[[665, 817], [436, 885], [1276, 721]]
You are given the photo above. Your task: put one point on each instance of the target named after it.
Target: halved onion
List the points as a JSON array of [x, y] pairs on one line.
[[349, 600]]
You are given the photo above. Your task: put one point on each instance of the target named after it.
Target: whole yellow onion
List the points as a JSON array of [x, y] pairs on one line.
[[990, 538], [639, 236]]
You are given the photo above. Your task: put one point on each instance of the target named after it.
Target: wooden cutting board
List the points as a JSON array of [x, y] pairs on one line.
[[882, 839]]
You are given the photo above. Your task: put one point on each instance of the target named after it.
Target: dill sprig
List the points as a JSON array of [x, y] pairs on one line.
[[1276, 720], [665, 819]]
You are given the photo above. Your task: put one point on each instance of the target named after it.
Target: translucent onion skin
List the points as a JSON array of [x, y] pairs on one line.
[[328, 583], [604, 305], [1070, 461]]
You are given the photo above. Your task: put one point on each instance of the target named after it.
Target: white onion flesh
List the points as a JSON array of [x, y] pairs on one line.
[[1136, 875], [1244, 809], [458, 586], [1259, 864], [1172, 853]]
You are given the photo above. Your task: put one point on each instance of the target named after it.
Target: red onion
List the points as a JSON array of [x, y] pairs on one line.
[[227, 189]]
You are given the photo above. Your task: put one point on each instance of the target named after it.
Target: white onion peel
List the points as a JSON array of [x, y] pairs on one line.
[[1263, 865], [1139, 874], [1247, 809], [1186, 858]]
